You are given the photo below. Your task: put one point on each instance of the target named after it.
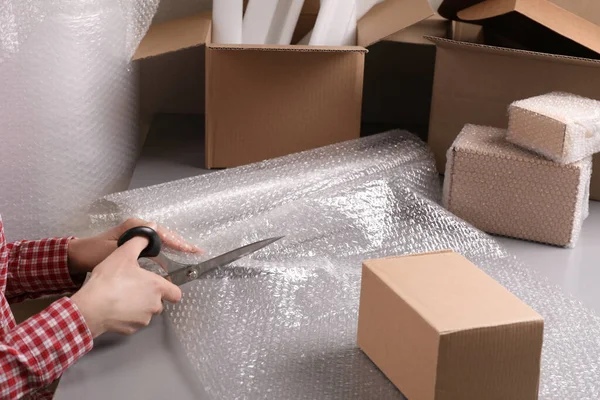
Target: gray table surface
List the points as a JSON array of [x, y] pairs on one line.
[[149, 365]]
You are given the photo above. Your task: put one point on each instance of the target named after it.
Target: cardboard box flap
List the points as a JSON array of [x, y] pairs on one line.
[[449, 8], [538, 24], [175, 35], [451, 293], [448, 43], [588, 9], [432, 26], [286, 48], [389, 17]]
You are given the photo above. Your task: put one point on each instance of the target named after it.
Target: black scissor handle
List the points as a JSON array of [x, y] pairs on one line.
[[153, 248]]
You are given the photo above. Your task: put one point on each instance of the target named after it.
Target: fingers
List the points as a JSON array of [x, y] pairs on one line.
[[131, 328], [133, 247], [158, 308], [169, 238], [176, 242], [169, 291], [115, 232], [133, 222], [127, 330]]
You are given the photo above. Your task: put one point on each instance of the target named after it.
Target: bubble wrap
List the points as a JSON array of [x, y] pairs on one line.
[[19, 19], [281, 324], [503, 189], [68, 108], [560, 126]]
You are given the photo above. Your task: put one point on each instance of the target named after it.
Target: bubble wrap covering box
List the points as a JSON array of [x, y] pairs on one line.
[[562, 127], [68, 108], [503, 189], [282, 323]]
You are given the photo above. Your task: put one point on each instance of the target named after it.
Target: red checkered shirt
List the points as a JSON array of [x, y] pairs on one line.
[[36, 352]]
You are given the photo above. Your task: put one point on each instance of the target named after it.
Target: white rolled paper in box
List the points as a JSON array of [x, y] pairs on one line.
[[68, 108], [271, 21], [227, 17]]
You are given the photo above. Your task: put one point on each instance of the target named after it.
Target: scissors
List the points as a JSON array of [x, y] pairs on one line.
[[178, 273]]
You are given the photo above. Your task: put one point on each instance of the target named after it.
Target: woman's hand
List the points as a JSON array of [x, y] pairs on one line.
[[86, 253], [120, 296]]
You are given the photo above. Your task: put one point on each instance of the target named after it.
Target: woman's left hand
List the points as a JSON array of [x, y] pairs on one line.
[[86, 253]]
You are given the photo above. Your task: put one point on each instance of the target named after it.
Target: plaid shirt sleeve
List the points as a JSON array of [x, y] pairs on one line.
[[38, 268], [36, 352]]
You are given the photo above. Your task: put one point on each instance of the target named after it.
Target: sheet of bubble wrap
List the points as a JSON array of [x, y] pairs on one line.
[[560, 126], [502, 189], [68, 108], [281, 324]]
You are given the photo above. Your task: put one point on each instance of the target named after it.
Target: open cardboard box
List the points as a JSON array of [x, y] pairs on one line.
[[474, 82], [264, 101]]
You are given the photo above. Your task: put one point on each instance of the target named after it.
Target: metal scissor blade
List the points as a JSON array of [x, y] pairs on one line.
[[192, 272]]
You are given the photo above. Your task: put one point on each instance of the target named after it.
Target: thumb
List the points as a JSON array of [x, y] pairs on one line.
[[169, 291], [134, 247]]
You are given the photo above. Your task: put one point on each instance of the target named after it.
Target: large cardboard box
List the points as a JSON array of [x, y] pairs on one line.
[[503, 189], [441, 329], [264, 101], [475, 83]]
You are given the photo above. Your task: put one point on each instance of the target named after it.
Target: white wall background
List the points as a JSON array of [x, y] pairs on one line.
[[169, 9]]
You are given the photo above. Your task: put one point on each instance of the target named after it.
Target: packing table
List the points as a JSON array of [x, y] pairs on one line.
[[144, 366], [149, 365]]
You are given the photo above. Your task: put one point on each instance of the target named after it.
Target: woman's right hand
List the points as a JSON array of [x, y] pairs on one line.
[[122, 297]]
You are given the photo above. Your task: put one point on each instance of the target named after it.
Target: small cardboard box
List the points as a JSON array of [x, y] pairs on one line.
[[475, 83], [562, 127], [441, 329], [503, 189], [265, 101]]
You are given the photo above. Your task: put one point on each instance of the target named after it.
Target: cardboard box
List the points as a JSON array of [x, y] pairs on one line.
[[562, 127], [503, 189], [589, 9], [441, 329], [265, 101], [475, 83]]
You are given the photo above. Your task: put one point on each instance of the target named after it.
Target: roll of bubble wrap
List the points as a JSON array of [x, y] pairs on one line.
[[502, 189], [68, 108], [282, 323], [560, 126]]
